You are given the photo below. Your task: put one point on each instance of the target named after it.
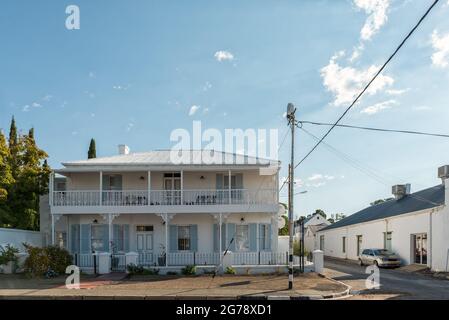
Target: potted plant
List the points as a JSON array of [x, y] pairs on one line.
[[162, 256], [8, 258]]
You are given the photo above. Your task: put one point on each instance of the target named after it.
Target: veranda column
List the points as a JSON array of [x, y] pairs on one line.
[[229, 186], [110, 217], [166, 238], [53, 229], [149, 187], [220, 222], [101, 188], [182, 187]]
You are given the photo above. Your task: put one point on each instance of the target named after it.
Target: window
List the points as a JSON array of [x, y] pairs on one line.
[[61, 239], [265, 236], [359, 244], [119, 241], [322, 243], [344, 244], [183, 238], [242, 238], [97, 236], [144, 228], [387, 240]]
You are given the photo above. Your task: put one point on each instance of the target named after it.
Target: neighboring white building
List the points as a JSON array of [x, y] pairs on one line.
[[145, 203], [413, 225], [312, 224]]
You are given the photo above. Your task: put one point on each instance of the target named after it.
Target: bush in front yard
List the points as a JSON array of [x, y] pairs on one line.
[[49, 261], [188, 270], [230, 270], [140, 270]]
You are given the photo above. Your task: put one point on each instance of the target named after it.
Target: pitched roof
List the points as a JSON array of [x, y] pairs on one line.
[[424, 199], [163, 157]]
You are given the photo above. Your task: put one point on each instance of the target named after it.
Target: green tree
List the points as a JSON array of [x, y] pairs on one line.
[[284, 230], [379, 201], [30, 174], [318, 211], [92, 153], [6, 180]]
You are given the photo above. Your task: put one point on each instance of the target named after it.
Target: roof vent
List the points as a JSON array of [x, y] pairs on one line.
[[400, 190], [443, 172], [123, 149]]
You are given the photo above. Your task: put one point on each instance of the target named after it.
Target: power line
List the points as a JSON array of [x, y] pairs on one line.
[[369, 83], [376, 129]]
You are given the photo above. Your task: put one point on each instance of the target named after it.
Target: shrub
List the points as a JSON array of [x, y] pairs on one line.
[[8, 254], [230, 270], [188, 270], [172, 273], [140, 270], [48, 261]]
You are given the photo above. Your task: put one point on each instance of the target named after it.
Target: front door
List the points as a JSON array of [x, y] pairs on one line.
[[144, 242], [172, 187], [420, 248]]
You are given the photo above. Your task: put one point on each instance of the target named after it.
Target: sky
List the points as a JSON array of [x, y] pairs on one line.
[[136, 70]]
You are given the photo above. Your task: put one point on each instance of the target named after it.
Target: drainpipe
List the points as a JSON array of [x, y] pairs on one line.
[[430, 238]]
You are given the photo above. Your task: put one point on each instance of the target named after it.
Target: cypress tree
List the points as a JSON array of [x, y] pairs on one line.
[[92, 153]]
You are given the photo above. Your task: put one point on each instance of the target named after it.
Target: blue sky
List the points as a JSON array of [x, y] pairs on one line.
[[133, 71]]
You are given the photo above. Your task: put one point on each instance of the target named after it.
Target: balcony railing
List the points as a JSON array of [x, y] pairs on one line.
[[164, 197]]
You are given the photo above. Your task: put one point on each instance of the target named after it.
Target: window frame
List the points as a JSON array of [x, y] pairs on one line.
[[238, 239], [184, 244]]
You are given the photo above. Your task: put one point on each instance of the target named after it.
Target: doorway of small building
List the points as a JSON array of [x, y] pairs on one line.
[[144, 235], [419, 252], [359, 245]]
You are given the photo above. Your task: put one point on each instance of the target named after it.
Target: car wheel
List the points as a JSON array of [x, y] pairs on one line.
[[360, 262]]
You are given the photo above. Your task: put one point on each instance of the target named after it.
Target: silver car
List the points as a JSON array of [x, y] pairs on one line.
[[379, 257]]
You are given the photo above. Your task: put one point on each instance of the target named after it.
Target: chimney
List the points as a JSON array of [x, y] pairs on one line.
[[443, 172], [400, 190], [123, 149]]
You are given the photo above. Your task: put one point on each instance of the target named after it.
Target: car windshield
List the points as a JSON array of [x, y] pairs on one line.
[[382, 252]]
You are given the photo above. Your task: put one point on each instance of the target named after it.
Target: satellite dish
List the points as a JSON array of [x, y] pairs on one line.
[[281, 210], [281, 222]]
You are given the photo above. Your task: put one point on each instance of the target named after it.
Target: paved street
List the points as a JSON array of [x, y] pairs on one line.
[[395, 284]]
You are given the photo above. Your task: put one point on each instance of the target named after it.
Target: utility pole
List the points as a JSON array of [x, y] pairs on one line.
[[292, 122]]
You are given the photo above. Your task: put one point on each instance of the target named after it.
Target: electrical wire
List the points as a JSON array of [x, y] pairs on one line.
[[369, 84], [376, 129]]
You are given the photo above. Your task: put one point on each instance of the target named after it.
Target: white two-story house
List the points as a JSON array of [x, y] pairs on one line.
[[170, 214]]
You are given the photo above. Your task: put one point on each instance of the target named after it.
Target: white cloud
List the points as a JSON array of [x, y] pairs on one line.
[[346, 82], [318, 180], [74, 133], [91, 74], [26, 108], [397, 92], [207, 86], [422, 108], [121, 87], [223, 56], [375, 108], [47, 97], [36, 105], [193, 110], [129, 126], [205, 110], [377, 16], [440, 57]]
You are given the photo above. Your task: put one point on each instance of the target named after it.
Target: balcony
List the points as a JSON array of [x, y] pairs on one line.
[[163, 199]]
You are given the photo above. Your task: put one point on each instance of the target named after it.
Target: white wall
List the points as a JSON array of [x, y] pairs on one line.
[[283, 242], [433, 222], [17, 237]]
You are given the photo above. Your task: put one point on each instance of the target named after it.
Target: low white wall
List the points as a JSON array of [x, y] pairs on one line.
[[17, 237], [283, 243]]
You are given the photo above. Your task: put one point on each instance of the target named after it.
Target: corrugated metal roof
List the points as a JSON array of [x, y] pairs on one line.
[[421, 200], [163, 157]]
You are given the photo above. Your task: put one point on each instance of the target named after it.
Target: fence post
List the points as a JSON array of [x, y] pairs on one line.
[[76, 259], [194, 258], [286, 258], [95, 264], [259, 258]]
